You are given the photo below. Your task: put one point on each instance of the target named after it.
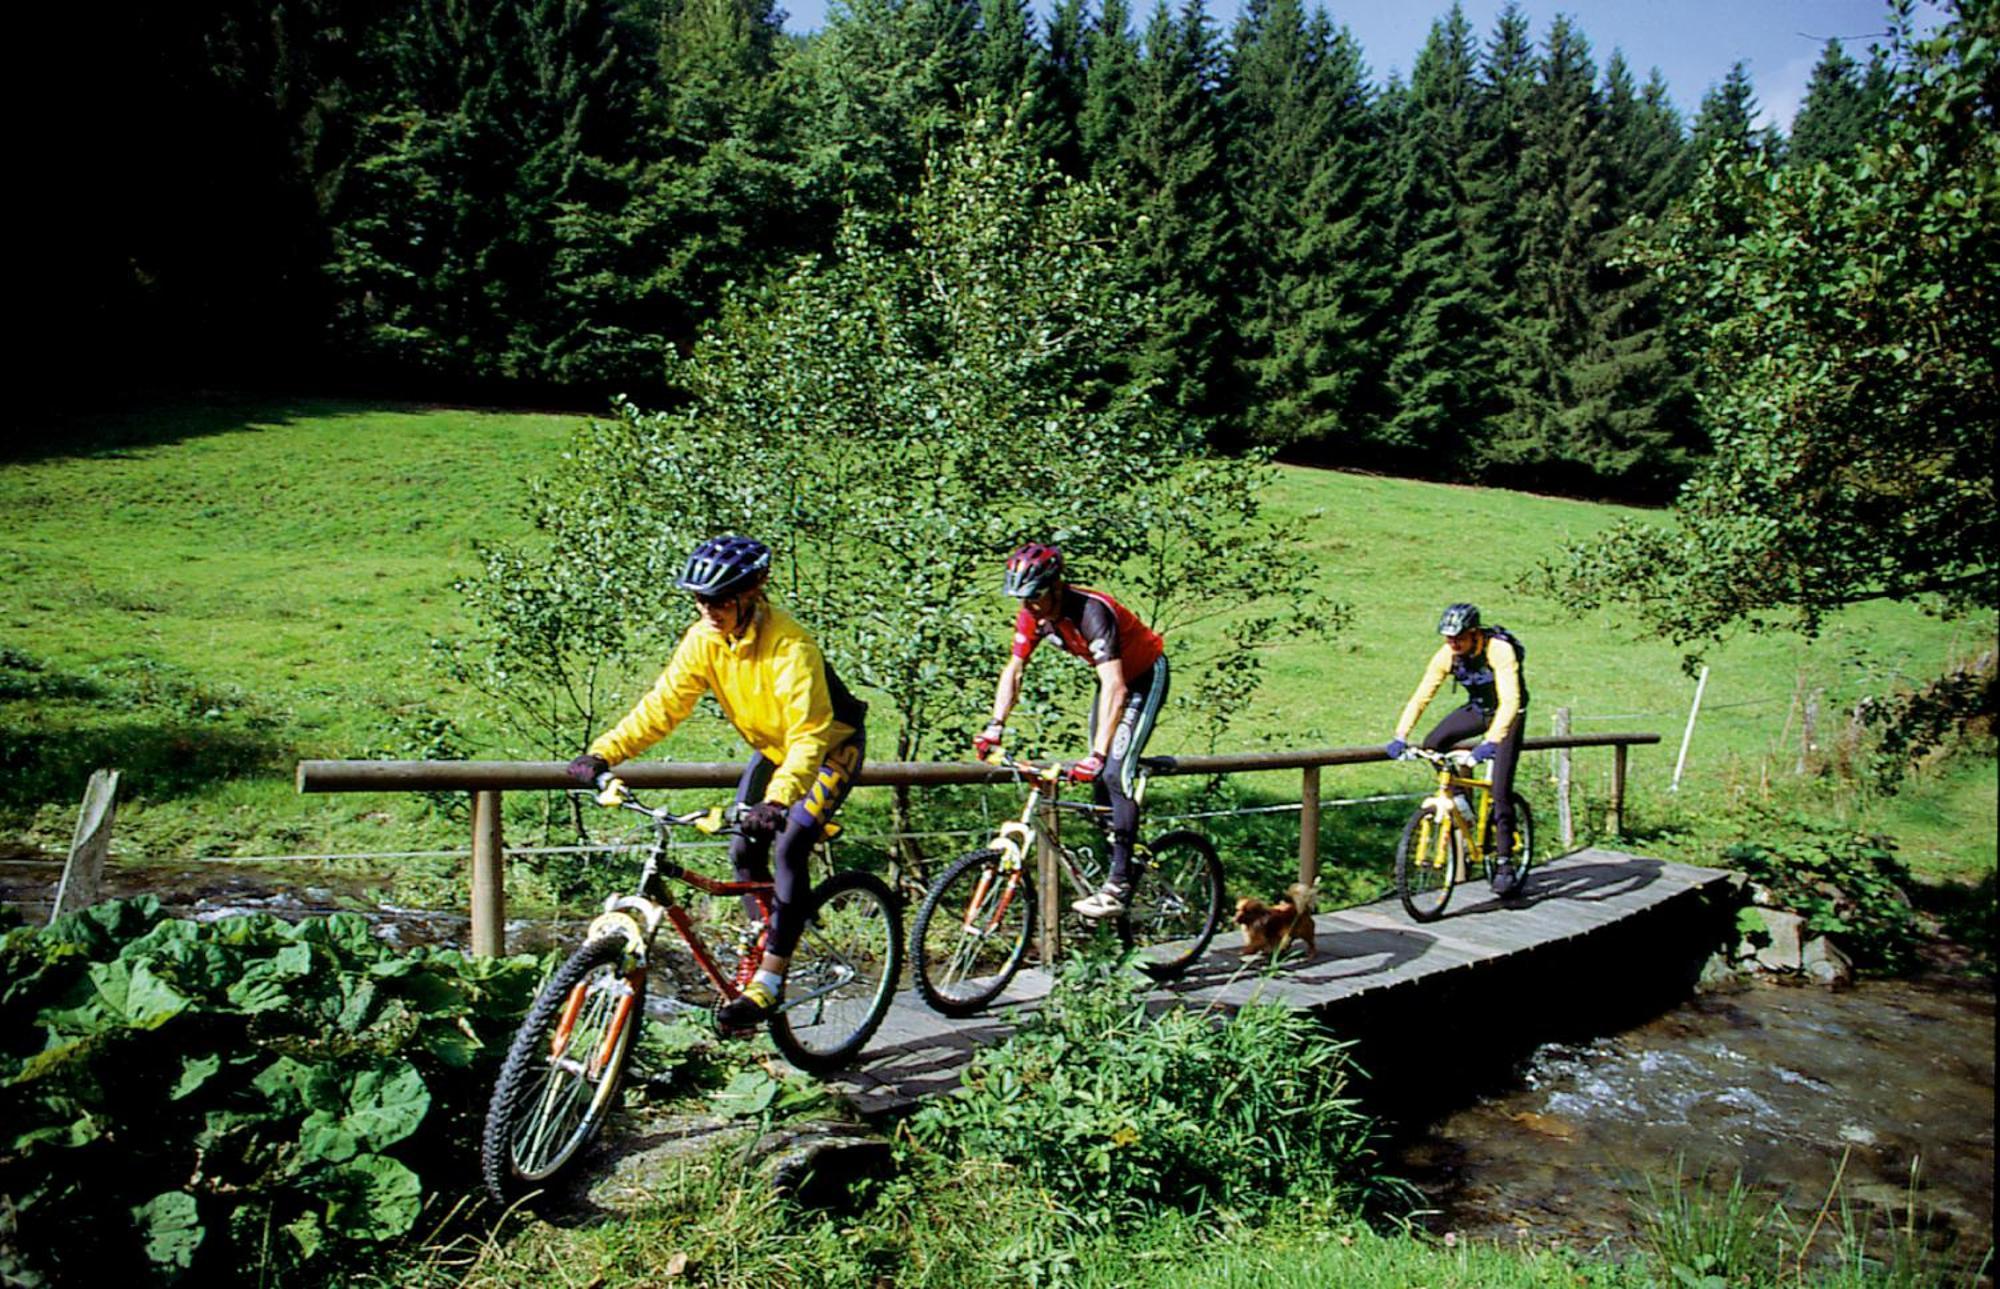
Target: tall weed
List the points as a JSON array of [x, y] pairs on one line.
[[1096, 1096]]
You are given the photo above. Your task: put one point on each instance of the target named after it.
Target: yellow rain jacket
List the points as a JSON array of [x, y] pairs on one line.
[[773, 685]]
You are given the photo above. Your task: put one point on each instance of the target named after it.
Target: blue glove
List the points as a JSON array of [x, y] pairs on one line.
[[762, 820], [587, 767], [1395, 748], [1484, 752]]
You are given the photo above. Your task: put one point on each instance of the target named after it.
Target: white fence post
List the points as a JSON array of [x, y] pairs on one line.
[[1694, 710]]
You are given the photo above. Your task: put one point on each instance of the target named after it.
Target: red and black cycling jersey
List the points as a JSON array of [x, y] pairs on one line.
[[1094, 627]]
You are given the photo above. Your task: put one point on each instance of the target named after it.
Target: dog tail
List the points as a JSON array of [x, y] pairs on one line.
[[1303, 897]]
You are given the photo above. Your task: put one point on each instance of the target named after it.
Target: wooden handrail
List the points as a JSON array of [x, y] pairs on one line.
[[486, 780], [527, 776]]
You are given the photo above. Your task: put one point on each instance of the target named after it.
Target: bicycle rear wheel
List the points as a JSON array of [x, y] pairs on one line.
[[972, 933], [1524, 843], [1177, 904], [1429, 859], [843, 973], [561, 1075]]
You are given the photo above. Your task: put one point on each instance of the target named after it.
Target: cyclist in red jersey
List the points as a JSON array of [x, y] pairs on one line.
[[1131, 666]]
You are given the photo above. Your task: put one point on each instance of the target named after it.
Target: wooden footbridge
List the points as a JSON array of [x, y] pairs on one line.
[[1595, 923], [1594, 910]]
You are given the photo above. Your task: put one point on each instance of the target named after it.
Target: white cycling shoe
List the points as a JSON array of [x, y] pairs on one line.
[[1110, 900]]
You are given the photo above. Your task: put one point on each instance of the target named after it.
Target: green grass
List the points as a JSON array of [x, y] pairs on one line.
[[206, 593]]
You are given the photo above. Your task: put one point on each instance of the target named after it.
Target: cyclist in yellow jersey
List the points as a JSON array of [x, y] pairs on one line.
[[1486, 662], [804, 728]]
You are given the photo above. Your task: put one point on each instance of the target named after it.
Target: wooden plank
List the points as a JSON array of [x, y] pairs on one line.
[[1367, 950]]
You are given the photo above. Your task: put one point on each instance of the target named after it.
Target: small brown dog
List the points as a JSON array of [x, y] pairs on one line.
[[1272, 928]]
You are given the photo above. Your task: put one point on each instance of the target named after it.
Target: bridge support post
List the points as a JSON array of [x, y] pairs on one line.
[[1616, 822], [1309, 826], [1565, 820], [489, 880]]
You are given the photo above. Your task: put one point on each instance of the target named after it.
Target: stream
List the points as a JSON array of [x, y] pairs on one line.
[[1781, 1083]]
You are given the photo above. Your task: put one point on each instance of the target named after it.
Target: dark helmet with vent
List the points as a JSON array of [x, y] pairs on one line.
[[725, 566], [1458, 619], [1032, 569]]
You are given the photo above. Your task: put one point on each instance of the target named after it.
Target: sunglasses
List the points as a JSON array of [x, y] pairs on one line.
[[715, 601]]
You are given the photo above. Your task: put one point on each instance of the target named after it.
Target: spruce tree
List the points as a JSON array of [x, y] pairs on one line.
[[886, 81], [1843, 108], [1182, 244], [1111, 59], [1306, 159], [1440, 376], [446, 238], [1561, 214], [1067, 74]]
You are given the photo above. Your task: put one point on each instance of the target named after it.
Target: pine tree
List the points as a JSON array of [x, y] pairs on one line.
[[1067, 74], [1843, 108], [1440, 375], [882, 85], [1306, 178], [445, 242], [1562, 212], [1725, 117], [1111, 58], [1182, 246]]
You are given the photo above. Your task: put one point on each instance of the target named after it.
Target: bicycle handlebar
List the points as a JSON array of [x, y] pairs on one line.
[[1052, 773], [1455, 757], [613, 793]]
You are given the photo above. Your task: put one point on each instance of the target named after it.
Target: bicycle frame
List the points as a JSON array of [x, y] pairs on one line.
[[1017, 839], [637, 917], [1443, 804]]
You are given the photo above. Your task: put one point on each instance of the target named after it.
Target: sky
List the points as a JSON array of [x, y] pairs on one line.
[[1692, 42]]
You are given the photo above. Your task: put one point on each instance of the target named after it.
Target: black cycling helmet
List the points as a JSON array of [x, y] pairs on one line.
[[1032, 569], [723, 566], [1459, 618]]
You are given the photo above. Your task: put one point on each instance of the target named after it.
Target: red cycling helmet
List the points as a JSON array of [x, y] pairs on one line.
[[1032, 569]]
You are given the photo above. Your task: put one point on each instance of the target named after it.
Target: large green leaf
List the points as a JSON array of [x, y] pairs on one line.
[[372, 1198], [132, 993], [171, 1222]]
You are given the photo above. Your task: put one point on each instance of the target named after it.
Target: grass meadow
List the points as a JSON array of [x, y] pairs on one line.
[[204, 594]]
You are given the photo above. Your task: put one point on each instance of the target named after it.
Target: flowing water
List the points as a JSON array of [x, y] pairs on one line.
[[1781, 1084]]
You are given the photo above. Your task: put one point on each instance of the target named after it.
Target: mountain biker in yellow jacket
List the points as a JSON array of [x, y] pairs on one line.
[[804, 727], [1486, 662]]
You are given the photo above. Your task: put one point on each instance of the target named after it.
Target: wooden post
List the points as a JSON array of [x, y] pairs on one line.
[[1808, 731], [1565, 820], [1616, 822], [83, 874], [1048, 885], [1309, 826], [489, 878]]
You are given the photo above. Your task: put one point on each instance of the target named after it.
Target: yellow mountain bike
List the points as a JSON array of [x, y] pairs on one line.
[[1450, 839]]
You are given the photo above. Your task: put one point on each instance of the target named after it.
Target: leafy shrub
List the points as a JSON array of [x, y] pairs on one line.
[[1093, 1096], [233, 1099], [1845, 884]]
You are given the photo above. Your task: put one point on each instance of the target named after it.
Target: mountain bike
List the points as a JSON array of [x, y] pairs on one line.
[[1448, 839], [977, 920], [562, 1073]]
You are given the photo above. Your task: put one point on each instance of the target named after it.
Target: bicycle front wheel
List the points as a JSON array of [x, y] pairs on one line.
[[1177, 904], [843, 973], [972, 933], [561, 1075], [1429, 860]]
